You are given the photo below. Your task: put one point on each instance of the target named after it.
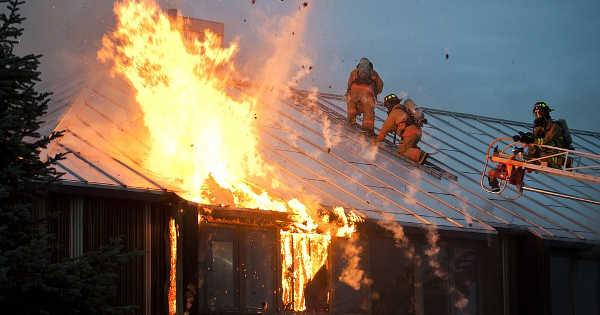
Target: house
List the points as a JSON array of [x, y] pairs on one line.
[[431, 241], [534, 255]]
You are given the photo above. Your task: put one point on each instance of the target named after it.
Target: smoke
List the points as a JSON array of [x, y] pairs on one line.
[[400, 239], [433, 251], [330, 131], [67, 34], [352, 274], [367, 149], [461, 300], [286, 62], [463, 205]]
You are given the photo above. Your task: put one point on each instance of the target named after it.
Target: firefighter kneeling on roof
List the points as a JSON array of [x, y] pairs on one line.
[[406, 120], [364, 84]]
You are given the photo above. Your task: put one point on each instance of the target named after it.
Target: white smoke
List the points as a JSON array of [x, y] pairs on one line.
[[352, 274]]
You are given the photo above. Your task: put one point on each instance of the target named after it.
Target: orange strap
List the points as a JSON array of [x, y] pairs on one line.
[[411, 132]]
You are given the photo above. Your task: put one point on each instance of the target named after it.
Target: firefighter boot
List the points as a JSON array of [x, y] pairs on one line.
[[424, 156]]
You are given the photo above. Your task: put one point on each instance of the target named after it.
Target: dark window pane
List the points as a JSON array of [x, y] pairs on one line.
[[393, 279], [587, 291], [466, 271], [221, 290], [435, 283], [258, 270], [347, 300], [560, 285]]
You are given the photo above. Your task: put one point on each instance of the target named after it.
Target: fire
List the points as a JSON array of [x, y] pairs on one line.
[[199, 134], [203, 141], [172, 295], [303, 254], [348, 222]]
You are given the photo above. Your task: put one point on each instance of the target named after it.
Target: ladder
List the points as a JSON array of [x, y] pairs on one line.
[[512, 166]]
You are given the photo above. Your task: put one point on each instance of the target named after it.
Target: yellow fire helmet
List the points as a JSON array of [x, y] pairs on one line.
[[390, 100], [542, 107]]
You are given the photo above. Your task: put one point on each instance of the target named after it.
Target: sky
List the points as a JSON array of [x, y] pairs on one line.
[[503, 55]]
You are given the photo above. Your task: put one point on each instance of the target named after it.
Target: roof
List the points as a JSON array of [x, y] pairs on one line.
[[307, 140]]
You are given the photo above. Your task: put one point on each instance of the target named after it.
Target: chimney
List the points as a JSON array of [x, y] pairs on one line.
[[172, 13]]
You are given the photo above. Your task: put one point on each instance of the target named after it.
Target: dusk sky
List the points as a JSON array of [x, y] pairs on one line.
[[503, 56]]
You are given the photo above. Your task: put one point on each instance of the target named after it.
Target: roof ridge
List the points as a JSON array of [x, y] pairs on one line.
[[500, 120]]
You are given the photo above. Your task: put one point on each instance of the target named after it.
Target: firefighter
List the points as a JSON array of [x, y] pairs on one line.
[[406, 121], [364, 84], [545, 132]]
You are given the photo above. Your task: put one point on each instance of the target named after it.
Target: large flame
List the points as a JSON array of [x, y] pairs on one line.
[[200, 135], [202, 140]]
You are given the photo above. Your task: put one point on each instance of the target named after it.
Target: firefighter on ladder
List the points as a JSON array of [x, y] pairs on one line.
[[364, 84], [406, 120], [545, 132]]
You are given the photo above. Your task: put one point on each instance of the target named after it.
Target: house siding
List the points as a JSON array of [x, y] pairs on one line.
[[506, 273]]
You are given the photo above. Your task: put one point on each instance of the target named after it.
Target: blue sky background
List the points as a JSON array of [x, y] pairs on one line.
[[503, 55]]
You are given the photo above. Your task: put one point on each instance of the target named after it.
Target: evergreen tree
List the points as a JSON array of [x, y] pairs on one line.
[[32, 280]]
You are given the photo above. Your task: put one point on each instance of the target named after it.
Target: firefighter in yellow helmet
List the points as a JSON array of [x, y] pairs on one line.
[[545, 132], [407, 121], [364, 84]]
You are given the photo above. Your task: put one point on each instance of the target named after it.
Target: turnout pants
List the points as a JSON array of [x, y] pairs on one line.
[[361, 100], [408, 144]]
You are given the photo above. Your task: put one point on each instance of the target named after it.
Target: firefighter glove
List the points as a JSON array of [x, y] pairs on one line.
[[524, 137]]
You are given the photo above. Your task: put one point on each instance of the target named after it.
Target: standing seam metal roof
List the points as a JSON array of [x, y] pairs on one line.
[[308, 141]]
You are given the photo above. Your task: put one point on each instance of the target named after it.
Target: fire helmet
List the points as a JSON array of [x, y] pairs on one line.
[[365, 61], [542, 107], [390, 100]]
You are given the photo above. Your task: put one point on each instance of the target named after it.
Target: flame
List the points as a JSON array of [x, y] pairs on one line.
[[348, 222], [203, 140], [302, 255], [199, 134], [172, 295]]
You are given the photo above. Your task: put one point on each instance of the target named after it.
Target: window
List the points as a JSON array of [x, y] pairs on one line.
[[560, 285], [465, 285], [221, 275], [449, 282], [587, 287], [393, 278], [434, 279], [575, 285], [237, 269], [258, 270], [347, 300]]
